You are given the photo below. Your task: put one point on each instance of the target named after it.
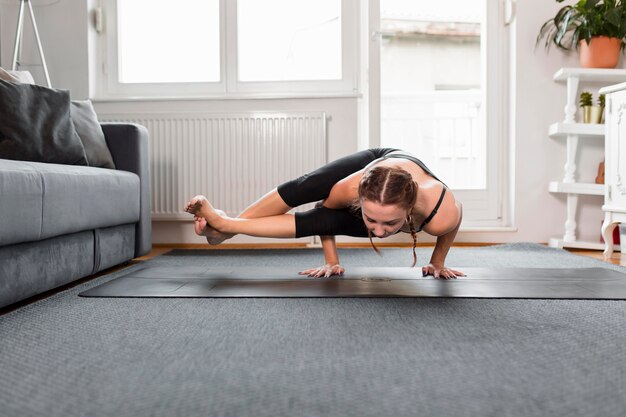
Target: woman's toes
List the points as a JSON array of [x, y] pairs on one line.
[[195, 204], [189, 208], [200, 226]]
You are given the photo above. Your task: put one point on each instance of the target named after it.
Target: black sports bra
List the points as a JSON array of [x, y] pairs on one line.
[[429, 172]]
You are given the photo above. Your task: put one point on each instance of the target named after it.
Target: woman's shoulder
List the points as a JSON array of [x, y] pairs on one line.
[[448, 216]]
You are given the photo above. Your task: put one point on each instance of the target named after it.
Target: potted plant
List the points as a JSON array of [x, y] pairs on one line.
[[590, 113], [596, 28], [601, 101]]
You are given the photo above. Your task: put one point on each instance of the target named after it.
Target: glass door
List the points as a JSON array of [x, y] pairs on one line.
[[438, 74]]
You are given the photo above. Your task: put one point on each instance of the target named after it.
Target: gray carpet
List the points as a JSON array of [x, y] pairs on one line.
[[73, 356]]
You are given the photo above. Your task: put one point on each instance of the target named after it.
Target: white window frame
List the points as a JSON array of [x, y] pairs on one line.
[[229, 86], [481, 208]]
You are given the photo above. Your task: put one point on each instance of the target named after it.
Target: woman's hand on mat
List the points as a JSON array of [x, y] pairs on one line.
[[325, 271], [440, 271]]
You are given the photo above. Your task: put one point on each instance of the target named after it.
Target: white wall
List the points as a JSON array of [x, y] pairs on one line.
[[538, 159], [538, 102], [63, 32]]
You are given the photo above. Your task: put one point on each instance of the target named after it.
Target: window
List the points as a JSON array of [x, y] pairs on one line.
[[228, 47], [442, 94]]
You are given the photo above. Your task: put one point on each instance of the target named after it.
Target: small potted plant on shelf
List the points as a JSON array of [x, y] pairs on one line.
[[596, 28], [590, 113], [601, 102]]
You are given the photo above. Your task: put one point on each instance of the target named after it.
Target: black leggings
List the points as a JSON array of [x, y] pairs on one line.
[[316, 186]]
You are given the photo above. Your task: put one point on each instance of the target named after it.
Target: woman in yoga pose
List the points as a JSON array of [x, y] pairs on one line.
[[376, 192]]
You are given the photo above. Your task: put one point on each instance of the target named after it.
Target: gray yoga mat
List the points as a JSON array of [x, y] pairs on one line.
[[247, 282]]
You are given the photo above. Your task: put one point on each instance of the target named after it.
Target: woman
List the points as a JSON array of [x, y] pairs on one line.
[[376, 192]]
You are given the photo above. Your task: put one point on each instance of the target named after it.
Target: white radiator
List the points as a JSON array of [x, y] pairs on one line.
[[232, 158]]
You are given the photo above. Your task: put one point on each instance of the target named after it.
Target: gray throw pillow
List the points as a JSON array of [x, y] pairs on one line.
[[23, 77], [35, 125], [90, 132]]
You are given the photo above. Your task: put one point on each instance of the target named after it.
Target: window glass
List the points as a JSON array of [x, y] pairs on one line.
[[432, 96], [304, 46], [164, 41]]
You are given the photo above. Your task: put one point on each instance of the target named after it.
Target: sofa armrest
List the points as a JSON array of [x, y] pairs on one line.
[[128, 144]]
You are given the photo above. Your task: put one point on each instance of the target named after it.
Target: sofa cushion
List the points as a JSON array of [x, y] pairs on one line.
[[20, 202], [41, 200]]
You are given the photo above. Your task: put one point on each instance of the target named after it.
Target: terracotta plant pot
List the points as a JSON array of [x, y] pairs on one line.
[[602, 52]]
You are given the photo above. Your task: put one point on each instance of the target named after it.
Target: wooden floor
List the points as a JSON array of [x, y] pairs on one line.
[[616, 259]]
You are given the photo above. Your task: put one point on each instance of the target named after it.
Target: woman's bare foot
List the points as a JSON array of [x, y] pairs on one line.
[[200, 206], [213, 219], [213, 237]]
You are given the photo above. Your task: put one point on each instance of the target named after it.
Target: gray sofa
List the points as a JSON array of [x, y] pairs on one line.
[[59, 223]]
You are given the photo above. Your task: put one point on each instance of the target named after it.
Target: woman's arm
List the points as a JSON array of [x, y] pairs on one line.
[[436, 266], [330, 250], [331, 258]]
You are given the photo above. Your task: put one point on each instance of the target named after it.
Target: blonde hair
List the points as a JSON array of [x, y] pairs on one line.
[[387, 185]]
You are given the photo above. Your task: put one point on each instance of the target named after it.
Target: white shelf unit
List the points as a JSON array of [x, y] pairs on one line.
[[571, 131]]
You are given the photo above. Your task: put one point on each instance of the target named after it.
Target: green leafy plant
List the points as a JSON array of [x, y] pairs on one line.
[[586, 99], [584, 20], [601, 100]]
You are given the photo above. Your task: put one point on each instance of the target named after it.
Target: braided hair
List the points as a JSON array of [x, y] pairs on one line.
[[387, 185]]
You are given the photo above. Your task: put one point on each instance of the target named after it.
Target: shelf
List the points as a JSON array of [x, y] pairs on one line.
[[613, 209], [576, 188], [602, 75], [579, 244], [560, 129], [613, 88]]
